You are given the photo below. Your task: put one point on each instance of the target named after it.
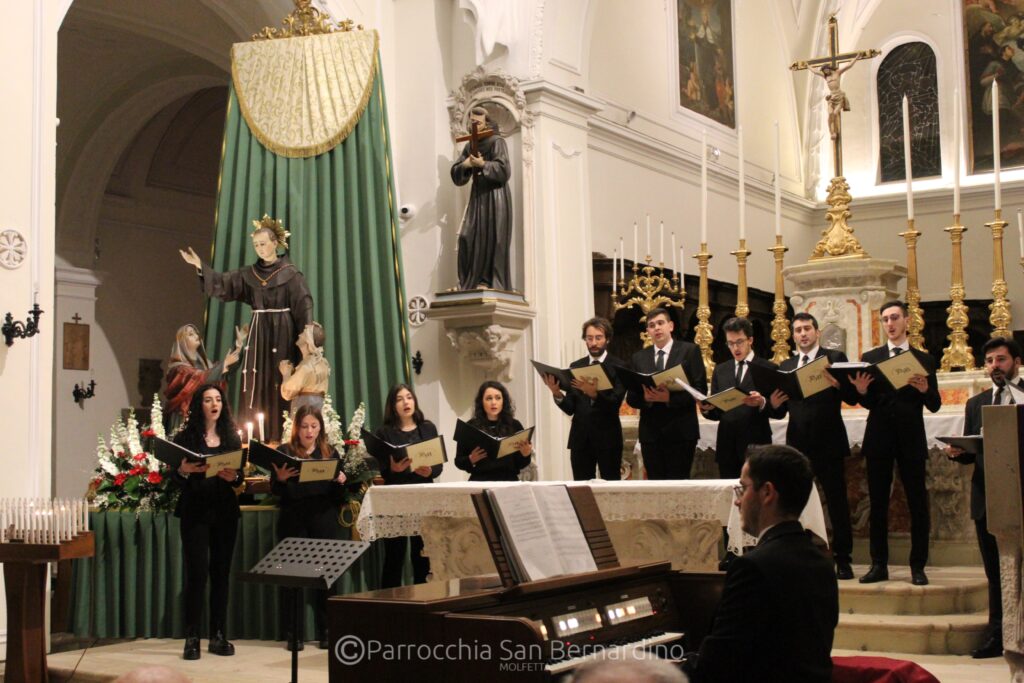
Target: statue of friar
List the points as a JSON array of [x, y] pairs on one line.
[[485, 236]]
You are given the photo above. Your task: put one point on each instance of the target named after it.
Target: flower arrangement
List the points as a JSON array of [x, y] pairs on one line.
[[127, 476]]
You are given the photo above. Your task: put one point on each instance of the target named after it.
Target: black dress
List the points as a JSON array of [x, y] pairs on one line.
[[208, 508], [395, 548], [307, 511], [492, 469]]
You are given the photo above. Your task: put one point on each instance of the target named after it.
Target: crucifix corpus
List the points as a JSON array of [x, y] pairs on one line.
[[838, 239]]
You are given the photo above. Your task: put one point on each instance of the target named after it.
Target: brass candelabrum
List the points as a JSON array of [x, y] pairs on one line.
[[648, 289], [999, 315], [702, 334], [741, 254], [915, 322], [957, 355], [780, 325]]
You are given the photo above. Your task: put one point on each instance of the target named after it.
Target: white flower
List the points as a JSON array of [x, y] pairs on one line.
[[156, 418]]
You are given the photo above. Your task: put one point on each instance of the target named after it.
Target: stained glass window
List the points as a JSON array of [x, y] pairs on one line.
[[908, 69]]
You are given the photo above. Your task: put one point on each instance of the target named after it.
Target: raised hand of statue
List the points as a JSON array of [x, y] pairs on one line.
[[230, 359], [191, 258]]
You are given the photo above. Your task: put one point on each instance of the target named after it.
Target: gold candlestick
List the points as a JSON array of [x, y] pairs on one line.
[[1000, 306], [702, 335], [648, 290], [915, 322], [780, 326], [958, 355], [741, 254]]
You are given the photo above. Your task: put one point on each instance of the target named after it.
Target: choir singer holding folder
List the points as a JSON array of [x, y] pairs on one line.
[[595, 437], [494, 414], [668, 420]]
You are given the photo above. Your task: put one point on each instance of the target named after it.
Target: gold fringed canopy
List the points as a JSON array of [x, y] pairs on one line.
[[302, 96]]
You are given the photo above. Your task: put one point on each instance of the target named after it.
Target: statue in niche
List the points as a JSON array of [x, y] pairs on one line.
[[485, 235], [281, 306], [306, 384], [187, 370]]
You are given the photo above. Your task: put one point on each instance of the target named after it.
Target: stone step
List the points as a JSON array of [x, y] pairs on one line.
[[950, 634], [952, 590]]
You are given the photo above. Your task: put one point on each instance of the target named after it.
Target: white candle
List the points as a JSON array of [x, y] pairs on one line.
[[907, 166], [239, 436], [682, 266], [636, 252], [675, 264], [622, 260], [704, 187], [648, 236], [661, 243], [743, 185], [996, 152], [1020, 230], [778, 187], [259, 419], [248, 430], [956, 152], [615, 262]]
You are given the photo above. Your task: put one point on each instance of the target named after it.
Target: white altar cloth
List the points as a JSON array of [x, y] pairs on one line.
[[390, 511]]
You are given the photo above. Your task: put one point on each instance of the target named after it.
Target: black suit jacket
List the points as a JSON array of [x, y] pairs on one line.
[[816, 423], [742, 426], [895, 418], [677, 419], [598, 418], [778, 614], [972, 427]]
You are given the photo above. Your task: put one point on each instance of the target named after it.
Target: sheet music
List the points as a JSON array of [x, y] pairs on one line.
[[563, 525], [523, 524]]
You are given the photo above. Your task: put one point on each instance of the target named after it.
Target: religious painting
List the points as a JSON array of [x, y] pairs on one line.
[[706, 78], [76, 346], [994, 53]]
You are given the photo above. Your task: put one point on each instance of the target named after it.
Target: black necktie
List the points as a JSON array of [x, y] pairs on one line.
[[595, 361], [739, 372], [659, 364], [897, 351], [998, 400], [804, 360]]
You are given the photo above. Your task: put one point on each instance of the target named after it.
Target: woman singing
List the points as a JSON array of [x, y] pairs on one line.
[[494, 414], [404, 424], [208, 508], [308, 510]]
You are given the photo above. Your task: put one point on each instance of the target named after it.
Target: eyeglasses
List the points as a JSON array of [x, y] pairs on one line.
[[739, 489], [737, 343]]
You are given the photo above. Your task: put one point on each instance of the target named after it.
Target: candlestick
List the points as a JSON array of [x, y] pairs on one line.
[[907, 165], [780, 326], [996, 151], [915, 322], [957, 122], [999, 316], [741, 254], [702, 333], [958, 355], [704, 187]]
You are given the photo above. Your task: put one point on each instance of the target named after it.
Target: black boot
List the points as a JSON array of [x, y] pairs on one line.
[[293, 644], [191, 645], [322, 641], [219, 645]]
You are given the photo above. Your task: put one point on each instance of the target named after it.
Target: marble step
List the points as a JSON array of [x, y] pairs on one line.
[[952, 590], [947, 634]]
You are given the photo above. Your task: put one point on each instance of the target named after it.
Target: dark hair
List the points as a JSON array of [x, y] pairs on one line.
[[488, 121], [194, 430], [788, 470], [508, 411], [601, 324], [894, 302], [322, 445], [738, 325], [391, 418], [269, 231], [998, 342], [804, 316], [655, 312]]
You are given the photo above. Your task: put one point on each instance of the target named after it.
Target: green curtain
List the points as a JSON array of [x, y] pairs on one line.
[[132, 587], [340, 209]]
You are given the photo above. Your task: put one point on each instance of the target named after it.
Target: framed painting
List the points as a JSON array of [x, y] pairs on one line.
[[706, 76], [994, 52]]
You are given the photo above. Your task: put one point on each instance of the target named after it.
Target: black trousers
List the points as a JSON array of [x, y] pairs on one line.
[[665, 459], [990, 559], [394, 561], [912, 472], [604, 457], [293, 523], [207, 548], [828, 470]]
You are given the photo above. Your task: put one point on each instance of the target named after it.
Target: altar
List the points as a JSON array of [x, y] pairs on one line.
[[648, 521]]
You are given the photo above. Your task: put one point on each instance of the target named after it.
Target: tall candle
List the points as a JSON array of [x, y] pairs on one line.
[[907, 166], [615, 263], [648, 235], [956, 151], [778, 187], [259, 418], [248, 431], [743, 185], [675, 264], [996, 151], [1020, 230], [704, 187], [682, 265], [636, 253], [622, 260], [661, 242]]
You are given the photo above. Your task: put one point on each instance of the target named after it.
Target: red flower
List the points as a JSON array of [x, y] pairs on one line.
[[154, 478], [119, 479], [148, 434], [119, 454], [136, 470], [139, 456], [351, 442]]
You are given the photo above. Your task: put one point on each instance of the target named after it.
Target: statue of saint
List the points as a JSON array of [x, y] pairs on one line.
[[307, 383], [281, 306], [187, 370], [485, 236]]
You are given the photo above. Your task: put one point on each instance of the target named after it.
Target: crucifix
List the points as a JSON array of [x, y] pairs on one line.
[[478, 130], [830, 68]]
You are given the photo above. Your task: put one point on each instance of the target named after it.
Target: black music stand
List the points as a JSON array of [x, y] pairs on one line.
[[298, 563]]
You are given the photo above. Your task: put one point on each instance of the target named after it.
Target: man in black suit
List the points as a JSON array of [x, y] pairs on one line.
[[1002, 363], [668, 420], [748, 423], [816, 429], [895, 433], [595, 437], [780, 604]]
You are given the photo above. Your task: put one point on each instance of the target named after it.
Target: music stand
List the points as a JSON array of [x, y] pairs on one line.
[[298, 563]]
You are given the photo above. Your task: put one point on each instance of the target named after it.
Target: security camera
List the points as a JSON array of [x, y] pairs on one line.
[[406, 211]]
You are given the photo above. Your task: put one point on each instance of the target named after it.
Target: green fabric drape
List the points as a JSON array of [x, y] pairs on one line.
[[132, 587], [340, 209]]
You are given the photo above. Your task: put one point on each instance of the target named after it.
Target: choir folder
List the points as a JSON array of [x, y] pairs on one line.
[[673, 378], [796, 384], [494, 446], [594, 372], [426, 453], [894, 372], [172, 455], [310, 469]]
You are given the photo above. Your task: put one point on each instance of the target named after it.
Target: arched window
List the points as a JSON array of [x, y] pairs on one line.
[[908, 69]]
